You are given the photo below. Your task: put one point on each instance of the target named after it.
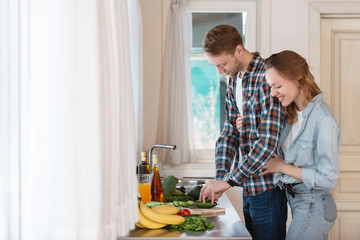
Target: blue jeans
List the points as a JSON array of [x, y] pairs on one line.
[[266, 214], [313, 214]]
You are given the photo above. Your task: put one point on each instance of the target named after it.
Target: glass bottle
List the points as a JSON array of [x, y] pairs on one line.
[[143, 167], [157, 191], [144, 179]]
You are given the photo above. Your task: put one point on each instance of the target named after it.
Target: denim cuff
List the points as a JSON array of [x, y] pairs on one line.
[[308, 177]]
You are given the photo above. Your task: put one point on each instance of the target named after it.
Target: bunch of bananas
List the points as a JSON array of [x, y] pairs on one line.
[[158, 217]]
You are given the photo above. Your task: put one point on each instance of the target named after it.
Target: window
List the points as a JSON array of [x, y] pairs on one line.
[[208, 87]]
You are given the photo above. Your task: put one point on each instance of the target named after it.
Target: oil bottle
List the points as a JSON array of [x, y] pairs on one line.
[[143, 167], [157, 191]]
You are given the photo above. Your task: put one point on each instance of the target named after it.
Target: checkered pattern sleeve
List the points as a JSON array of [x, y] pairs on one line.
[[264, 132]]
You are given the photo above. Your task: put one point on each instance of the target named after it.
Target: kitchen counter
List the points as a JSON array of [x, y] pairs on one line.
[[226, 226]]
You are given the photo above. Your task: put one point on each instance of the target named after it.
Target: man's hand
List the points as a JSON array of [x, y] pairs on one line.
[[213, 190]]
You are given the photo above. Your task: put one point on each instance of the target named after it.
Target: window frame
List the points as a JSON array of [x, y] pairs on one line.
[[250, 43], [231, 7], [256, 14]]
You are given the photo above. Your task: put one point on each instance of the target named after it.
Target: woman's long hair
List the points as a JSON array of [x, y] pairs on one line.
[[294, 67]]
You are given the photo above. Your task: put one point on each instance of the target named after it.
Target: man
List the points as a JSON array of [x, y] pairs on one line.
[[246, 149]]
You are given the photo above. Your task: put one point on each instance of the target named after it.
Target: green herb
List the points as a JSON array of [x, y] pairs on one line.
[[194, 223]]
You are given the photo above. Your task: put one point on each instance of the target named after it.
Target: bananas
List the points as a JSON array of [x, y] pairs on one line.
[[147, 223], [153, 219], [138, 224], [166, 209]]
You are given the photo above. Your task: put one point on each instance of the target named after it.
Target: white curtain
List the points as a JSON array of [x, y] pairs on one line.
[[79, 118], [175, 108], [120, 39], [9, 168], [136, 57]]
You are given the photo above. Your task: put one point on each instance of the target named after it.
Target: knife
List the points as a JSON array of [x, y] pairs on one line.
[[193, 205]]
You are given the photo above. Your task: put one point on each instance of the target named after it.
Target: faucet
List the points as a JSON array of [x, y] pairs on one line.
[[149, 154]]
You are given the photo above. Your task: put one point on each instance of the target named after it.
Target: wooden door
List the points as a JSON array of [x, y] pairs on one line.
[[340, 82]]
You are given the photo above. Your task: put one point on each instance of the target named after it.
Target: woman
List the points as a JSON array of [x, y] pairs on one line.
[[307, 163]]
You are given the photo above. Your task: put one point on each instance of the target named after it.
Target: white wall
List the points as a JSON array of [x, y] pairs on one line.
[[152, 32], [289, 29]]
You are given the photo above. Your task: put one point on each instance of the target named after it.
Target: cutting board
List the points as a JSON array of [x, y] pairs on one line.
[[207, 211]]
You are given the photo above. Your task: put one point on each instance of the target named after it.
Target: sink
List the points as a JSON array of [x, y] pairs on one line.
[[189, 184]]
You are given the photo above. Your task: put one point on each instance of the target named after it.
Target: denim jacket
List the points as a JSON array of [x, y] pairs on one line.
[[315, 149]]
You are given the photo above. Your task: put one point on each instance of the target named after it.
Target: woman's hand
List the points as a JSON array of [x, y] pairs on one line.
[[274, 165], [238, 122], [277, 165]]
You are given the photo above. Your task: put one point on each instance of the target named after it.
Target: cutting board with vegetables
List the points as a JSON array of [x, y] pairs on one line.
[[207, 211], [206, 208], [183, 200]]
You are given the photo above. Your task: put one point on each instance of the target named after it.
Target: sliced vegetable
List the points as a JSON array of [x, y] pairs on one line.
[[182, 203], [188, 203], [207, 204]]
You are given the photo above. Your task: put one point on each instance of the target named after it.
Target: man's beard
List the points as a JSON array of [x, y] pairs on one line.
[[236, 70]]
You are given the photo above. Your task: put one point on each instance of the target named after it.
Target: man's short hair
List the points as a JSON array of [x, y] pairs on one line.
[[221, 39]]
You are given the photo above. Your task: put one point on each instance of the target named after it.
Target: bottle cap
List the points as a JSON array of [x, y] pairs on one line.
[[143, 154], [155, 159]]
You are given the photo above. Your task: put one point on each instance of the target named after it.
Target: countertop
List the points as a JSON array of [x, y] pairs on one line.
[[226, 226]]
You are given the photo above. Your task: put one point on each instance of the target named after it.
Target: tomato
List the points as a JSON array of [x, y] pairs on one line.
[[184, 212]]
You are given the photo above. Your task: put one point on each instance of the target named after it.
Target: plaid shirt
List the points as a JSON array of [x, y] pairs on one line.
[[262, 122]]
